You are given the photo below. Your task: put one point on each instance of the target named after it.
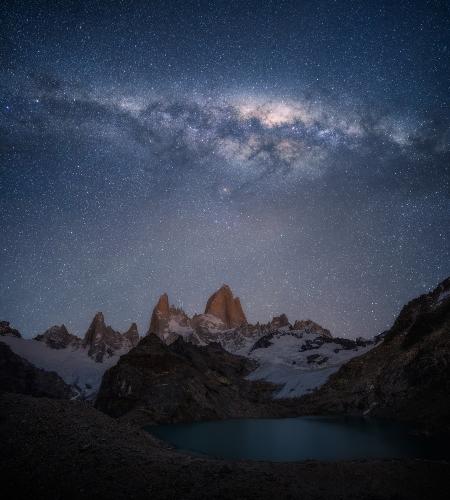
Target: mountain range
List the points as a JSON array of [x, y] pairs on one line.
[[296, 357], [216, 367], [216, 364]]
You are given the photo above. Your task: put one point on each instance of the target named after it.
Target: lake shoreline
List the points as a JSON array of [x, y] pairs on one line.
[[64, 449]]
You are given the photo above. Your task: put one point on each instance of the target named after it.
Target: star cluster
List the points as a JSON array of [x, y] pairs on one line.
[[298, 151]]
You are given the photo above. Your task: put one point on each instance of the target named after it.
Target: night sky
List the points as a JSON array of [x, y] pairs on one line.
[[298, 151]]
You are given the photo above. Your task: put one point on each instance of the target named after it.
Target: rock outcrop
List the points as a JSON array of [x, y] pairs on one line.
[[279, 322], [406, 376], [156, 382], [102, 341], [132, 335], [227, 308], [169, 322], [308, 326], [19, 376], [159, 321], [6, 329], [58, 337]]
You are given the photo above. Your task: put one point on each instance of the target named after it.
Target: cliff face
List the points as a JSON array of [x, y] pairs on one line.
[[406, 376], [160, 316], [227, 308]]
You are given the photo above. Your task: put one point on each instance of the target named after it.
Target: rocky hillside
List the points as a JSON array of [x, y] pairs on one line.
[[156, 382], [19, 376], [406, 376]]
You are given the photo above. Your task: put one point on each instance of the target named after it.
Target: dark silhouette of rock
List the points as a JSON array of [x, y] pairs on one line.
[[180, 382], [227, 308], [405, 376], [5, 329], [20, 376], [58, 337]]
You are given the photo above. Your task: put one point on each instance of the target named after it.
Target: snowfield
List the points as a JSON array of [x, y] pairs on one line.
[[300, 361], [74, 366]]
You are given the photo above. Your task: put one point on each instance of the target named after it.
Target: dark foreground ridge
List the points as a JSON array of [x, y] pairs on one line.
[[69, 450], [406, 377], [155, 382], [18, 375]]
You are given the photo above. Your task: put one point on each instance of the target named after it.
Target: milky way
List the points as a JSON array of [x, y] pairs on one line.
[[298, 151]]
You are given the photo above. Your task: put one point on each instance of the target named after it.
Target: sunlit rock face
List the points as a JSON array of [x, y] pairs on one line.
[[160, 316], [169, 322], [227, 308]]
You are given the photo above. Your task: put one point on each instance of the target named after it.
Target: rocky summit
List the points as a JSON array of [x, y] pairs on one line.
[[102, 341], [169, 322], [223, 305], [58, 337]]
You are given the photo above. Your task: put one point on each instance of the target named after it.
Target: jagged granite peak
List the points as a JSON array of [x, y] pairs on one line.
[[6, 329], [132, 335], [160, 315], [169, 322], [223, 305], [101, 340], [279, 322], [309, 326], [58, 337]]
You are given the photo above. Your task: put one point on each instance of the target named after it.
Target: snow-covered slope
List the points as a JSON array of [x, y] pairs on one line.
[[299, 360], [73, 365]]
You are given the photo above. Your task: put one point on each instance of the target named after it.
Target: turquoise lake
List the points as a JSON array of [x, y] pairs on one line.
[[303, 438]]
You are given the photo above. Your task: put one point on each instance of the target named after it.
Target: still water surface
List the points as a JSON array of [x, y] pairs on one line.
[[291, 439]]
